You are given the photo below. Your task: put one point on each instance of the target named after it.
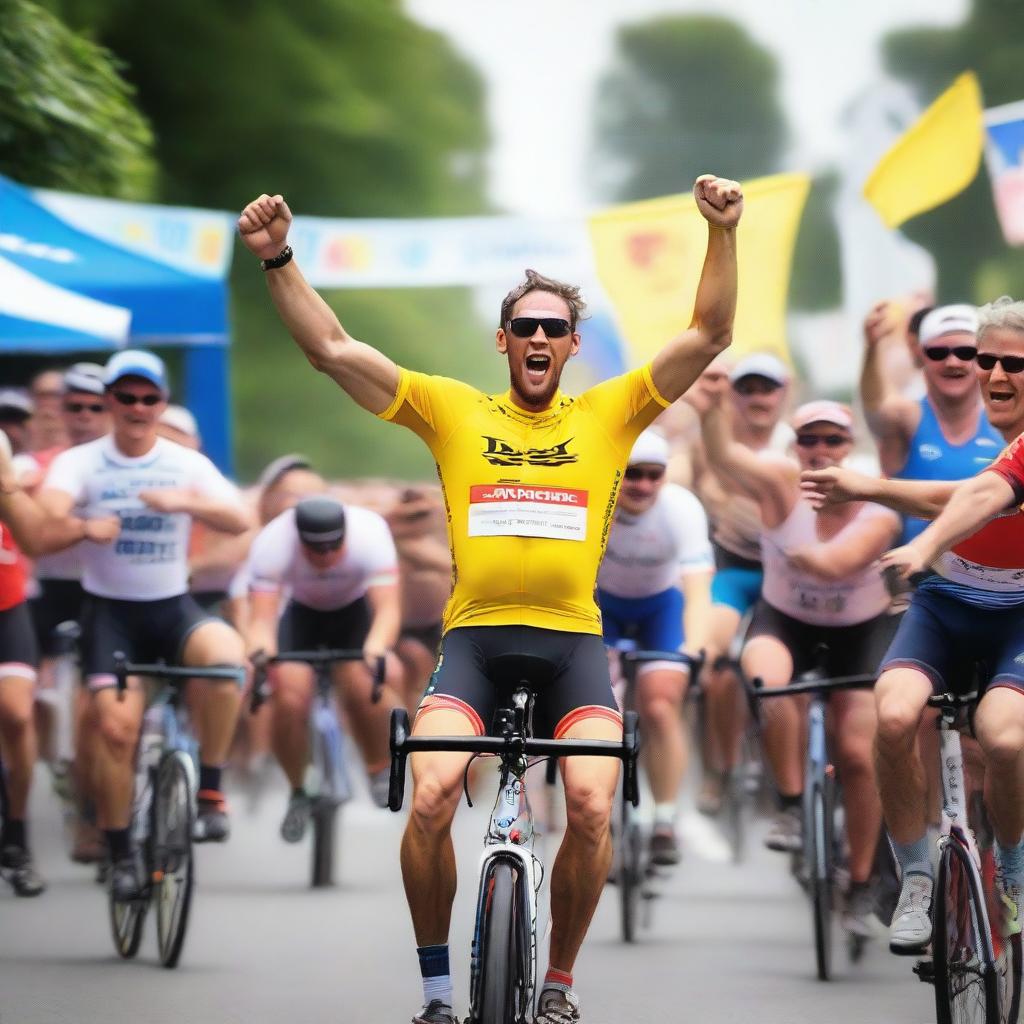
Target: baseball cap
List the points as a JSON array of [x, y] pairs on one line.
[[320, 522], [761, 364], [87, 377], [281, 465], [133, 362], [177, 417], [15, 401], [948, 320], [823, 411], [650, 447]]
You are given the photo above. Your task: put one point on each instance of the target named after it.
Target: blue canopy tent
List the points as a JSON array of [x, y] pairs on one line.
[[166, 305]]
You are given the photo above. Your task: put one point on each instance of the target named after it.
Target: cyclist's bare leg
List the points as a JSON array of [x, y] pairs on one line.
[[901, 696], [853, 720], [417, 665], [17, 741], [119, 722], [581, 867], [782, 732], [368, 722], [999, 728], [214, 705], [724, 723], [428, 857], [660, 693], [290, 698]]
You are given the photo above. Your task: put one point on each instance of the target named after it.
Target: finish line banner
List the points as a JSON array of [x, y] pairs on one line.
[[1004, 156], [435, 252]]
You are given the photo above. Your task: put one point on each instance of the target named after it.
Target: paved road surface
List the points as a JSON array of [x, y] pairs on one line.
[[727, 944]]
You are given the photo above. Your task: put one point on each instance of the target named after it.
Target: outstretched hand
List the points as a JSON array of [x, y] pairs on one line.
[[720, 200], [905, 561], [833, 486], [263, 226]]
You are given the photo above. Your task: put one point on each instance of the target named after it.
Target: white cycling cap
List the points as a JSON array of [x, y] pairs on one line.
[[650, 448], [961, 319]]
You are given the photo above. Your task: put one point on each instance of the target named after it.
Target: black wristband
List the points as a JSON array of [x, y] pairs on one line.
[[283, 257]]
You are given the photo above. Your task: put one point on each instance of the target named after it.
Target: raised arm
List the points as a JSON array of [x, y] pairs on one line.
[[891, 416], [367, 375], [974, 502], [854, 548], [771, 484], [681, 361], [837, 484]]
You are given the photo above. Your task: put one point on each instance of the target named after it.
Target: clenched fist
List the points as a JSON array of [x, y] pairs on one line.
[[719, 200], [264, 226]]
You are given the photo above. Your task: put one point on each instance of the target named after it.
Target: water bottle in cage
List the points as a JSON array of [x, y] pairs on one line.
[[150, 747], [336, 784]]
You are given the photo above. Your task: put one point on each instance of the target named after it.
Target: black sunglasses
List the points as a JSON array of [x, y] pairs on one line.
[[1011, 364], [83, 407], [755, 386], [828, 440], [526, 326], [965, 353], [639, 473], [125, 398]]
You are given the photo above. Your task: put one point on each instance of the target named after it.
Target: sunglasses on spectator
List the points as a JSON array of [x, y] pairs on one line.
[[126, 398], [828, 440], [965, 353], [639, 473], [84, 407], [755, 386], [1011, 364], [526, 326]]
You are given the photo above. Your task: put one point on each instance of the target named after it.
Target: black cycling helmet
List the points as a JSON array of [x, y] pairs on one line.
[[320, 522]]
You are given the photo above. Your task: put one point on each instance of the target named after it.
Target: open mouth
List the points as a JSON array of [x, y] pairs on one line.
[[998, 397], [954, 374], [537, 366]]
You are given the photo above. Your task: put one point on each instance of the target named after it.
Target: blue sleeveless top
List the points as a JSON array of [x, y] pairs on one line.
[[932, 457]]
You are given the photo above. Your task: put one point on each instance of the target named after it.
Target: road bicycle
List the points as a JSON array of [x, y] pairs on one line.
[[326, 781], [637, 877], [975, 969], [163, 810], [503, 970], [823, 859]]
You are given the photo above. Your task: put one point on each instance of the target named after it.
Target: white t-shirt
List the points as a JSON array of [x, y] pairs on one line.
[[647, 554], [277, 562], [149, 559]]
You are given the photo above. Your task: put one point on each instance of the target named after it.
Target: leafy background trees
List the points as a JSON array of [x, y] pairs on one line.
[[351, 108]]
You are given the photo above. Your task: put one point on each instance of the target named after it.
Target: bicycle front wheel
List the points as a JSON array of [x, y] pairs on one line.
[[172, 848], [631, 871], [966, 989], [325, 828], [498, 959], [820, 871], [127, 921]]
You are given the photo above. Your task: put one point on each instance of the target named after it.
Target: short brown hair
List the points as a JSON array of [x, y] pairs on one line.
[[539, 283]]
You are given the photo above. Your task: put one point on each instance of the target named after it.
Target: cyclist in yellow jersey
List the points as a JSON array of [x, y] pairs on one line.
[[530, 480]]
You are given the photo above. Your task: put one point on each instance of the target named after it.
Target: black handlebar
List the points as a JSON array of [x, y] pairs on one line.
[[511, 745], [123, 668], [814, 685], [323, 656], [953, 700]]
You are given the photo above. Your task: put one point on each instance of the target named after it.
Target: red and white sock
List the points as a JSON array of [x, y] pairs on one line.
[[558, 979]]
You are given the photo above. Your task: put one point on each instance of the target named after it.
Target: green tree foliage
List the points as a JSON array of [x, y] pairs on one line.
[[689, 95], [348, 109], [963, 235], [68, 120]]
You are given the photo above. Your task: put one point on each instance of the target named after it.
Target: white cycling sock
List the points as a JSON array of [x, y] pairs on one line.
[[665, 814]]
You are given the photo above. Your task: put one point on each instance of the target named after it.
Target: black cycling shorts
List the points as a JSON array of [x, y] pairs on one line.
[[479, 668], [427, 636], [305, 629], [852, 650], [145, 631], [58, 601], [19, 655]]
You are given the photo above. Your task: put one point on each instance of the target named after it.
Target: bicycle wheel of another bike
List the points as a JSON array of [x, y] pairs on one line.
[[325, 831], [819, 868], [734, 809], [496, 993], [127, 921], [966, 990], [631, 871], [174, 873]]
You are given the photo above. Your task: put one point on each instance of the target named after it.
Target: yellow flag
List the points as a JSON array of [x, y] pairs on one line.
[[935, 159], [649, 257]]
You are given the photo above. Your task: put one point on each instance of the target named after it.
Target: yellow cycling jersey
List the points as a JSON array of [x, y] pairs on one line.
[[530, 496]]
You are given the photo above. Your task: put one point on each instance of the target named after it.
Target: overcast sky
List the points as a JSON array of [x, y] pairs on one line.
[[542, 59]]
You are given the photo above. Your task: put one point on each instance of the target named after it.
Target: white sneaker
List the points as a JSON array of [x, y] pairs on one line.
[[558, 1006], [911, 928]]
